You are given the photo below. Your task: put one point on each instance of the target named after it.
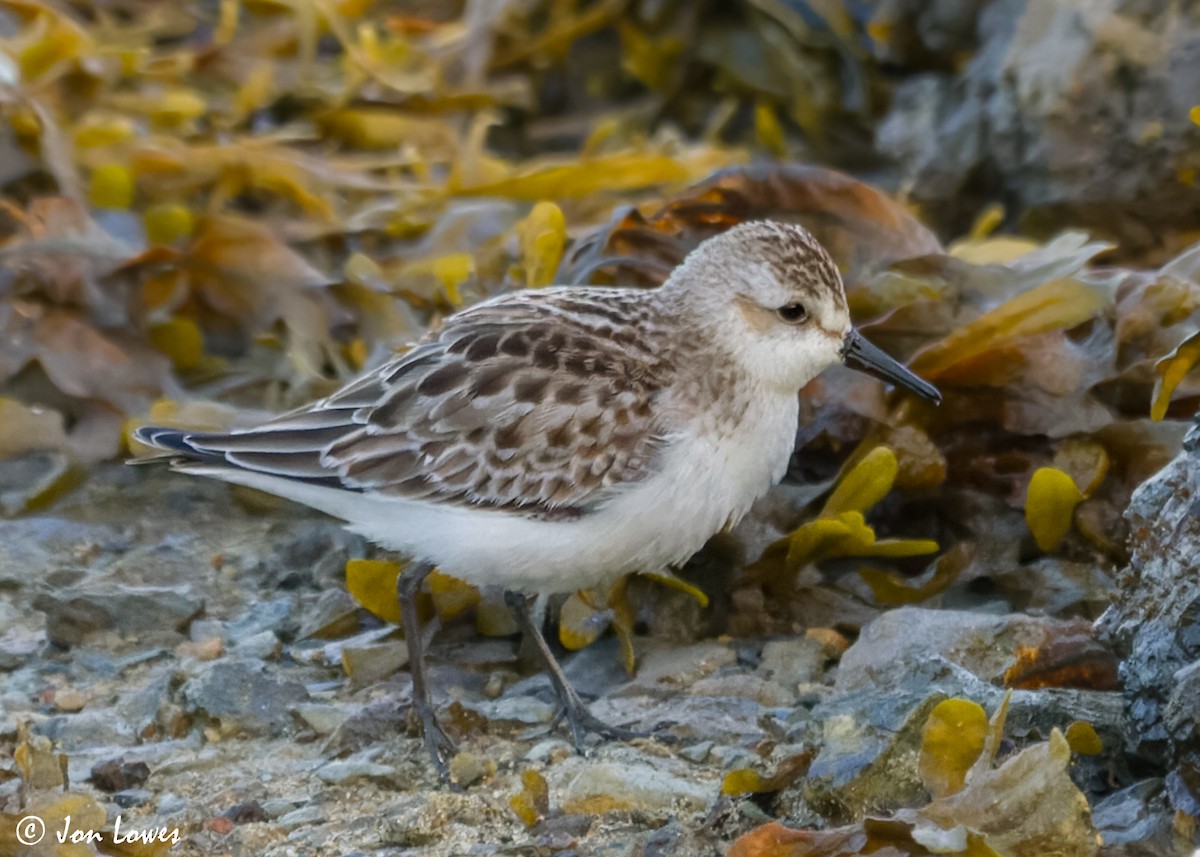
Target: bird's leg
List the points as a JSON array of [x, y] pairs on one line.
[[437, 742], [579, 719]]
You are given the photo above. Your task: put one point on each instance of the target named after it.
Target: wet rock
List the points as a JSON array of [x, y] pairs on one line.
[[75, 612], [1155, 623], [242, 696]]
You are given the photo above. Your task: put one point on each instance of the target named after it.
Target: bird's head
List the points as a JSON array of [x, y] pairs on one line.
[[772, 298]]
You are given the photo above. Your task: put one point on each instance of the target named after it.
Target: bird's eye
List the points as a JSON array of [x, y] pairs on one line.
[[793, 313]]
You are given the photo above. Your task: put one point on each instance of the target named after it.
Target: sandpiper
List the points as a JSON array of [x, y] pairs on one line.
[[554, 440]]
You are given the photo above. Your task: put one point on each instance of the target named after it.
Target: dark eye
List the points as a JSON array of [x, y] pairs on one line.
[[793, 313]]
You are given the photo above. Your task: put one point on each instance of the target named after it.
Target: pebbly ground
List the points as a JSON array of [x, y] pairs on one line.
[[185, 647]]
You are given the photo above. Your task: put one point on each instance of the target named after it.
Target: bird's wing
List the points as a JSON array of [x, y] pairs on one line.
[[527, 403]]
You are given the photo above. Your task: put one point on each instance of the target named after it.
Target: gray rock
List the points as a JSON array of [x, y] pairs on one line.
[[355, 768], [1032, 111], [982, 643], [1137, 821], [302, 817], [259, 646], [587, 786], [24, 477], [243, 696], [74, 613], [793, 662], [133, 797], [170, 803], [1155, 623]]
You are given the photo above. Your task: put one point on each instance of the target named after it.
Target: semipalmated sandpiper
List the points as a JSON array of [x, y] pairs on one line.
[[554, 440]]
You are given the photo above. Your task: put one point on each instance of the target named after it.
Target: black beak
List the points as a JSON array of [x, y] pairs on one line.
[[858, 353]]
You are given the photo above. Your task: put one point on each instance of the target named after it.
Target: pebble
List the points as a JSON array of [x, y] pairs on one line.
[[170, 803], [302, 817]]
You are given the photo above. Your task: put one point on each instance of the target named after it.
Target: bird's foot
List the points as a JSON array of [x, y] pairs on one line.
[[441, 747], [582, 723]]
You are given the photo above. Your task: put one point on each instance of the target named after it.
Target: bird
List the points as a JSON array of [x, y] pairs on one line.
[[553, 440]]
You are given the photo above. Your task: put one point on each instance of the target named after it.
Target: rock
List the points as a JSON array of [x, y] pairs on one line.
[[302, 817], [18, 645], [1029, 118], [85, 729], [118, 775], [766, 693], [981, 643], [75, 612], [868, 757], [355, 768], [133, 797], [370, 724], [242, 696], [324, 718], [258, 646], [1137, 821], [333, 615], [25, 478], [593, 787], [170, 803], [366, 665], [1155, 623], [793, 662], [274, 614]]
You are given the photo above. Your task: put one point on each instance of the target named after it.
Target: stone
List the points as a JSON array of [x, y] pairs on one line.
[[1155, 623], [243, 696], [1031, 110], [595, 787], [981, 643], [76, 612]]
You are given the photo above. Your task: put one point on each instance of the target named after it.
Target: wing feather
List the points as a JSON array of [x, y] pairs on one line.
[[526, 402]]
